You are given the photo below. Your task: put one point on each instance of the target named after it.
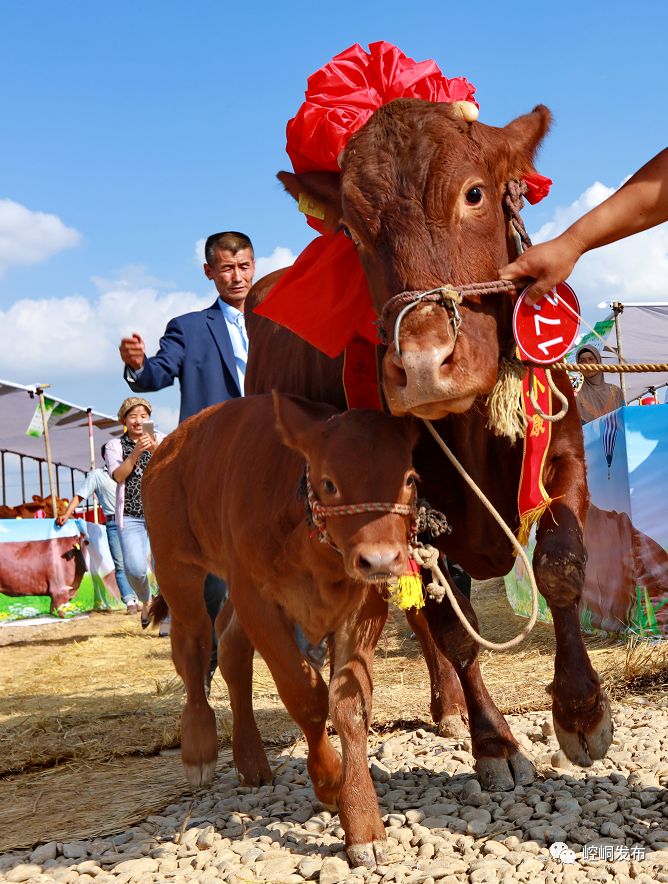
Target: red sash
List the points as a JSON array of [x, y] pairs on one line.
[[532, 498]]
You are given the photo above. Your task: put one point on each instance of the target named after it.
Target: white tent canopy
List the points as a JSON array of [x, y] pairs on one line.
[[68, 428], [644, 339]]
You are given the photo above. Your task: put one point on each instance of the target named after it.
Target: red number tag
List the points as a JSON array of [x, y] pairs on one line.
[[546, 331]]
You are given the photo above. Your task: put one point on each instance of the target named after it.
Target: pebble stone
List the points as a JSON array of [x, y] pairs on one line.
[[441, 827]]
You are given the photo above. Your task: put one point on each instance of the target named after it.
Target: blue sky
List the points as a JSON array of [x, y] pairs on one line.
[[132, 130]]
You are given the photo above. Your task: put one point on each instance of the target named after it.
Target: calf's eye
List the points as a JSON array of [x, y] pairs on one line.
[[474, 196], [329, 486]]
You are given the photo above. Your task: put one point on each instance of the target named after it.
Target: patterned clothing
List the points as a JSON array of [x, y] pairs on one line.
[[132, 506]]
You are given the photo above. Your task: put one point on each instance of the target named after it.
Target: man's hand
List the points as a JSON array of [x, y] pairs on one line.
[[133, 351], [60, 520], [548, 264]]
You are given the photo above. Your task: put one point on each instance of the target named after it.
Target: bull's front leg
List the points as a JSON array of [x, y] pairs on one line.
[[350, 698], [580, 708], [500, 765]]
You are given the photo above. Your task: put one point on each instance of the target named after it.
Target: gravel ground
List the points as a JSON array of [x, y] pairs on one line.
[[612, 820]]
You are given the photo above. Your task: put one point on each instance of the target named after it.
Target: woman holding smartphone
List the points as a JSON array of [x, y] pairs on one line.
[[126, 460]]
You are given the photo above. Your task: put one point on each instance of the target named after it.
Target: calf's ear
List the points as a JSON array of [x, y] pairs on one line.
[[318, 194], [296, 418]]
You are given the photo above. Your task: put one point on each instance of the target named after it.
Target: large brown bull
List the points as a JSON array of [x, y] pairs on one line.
[[421, 194], [43, 567]]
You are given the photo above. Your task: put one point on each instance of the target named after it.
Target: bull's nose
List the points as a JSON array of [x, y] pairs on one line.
[[379, 561]]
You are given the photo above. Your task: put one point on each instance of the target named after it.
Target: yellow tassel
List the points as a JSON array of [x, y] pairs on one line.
[[407, 592], [528, 519]]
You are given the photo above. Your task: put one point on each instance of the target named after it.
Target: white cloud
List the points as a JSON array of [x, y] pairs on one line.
[[199, 251], [280, 257], [59, 335], [28, 237], [166, 419], [55, 336], [632, 269]]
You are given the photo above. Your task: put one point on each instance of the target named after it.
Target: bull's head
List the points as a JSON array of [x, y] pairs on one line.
[[420, 193], [357, 457]]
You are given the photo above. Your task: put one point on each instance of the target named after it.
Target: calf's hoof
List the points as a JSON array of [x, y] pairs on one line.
[[503, 774], [199, 775], [368, 855], [588, 743], [454, 727]]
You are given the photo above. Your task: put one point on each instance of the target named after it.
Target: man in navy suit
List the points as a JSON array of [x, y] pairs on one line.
[[206, 350]]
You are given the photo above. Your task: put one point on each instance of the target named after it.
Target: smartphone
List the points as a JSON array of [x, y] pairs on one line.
[[148, 427]]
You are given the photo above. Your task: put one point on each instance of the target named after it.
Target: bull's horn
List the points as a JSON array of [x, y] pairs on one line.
[[467, 110], [339, 159]]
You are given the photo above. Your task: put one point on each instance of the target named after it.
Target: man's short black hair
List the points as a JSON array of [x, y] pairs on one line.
[[229, 240]]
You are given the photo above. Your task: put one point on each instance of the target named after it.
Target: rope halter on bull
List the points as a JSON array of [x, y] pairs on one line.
[[506, 415]]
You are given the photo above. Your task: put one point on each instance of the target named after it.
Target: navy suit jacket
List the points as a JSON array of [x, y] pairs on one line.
[[195, 348]]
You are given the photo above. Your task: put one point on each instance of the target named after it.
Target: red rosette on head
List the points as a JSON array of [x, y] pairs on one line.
[[343, 94], [324, 297]]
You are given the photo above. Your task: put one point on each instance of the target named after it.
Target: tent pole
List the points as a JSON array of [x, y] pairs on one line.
[[47, 445], [89, 412], [4, 481], [618, 309]]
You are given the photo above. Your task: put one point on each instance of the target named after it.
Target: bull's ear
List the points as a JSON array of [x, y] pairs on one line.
[[524, 136], [296, 418], [317, 194]]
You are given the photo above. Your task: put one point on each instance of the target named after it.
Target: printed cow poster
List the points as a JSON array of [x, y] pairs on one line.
[[46, 569], [626, 533]]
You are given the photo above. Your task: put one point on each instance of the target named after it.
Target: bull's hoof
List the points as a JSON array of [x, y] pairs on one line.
[[583, 747], [454, 727], [368, 855], [199, 775], [503, 774]]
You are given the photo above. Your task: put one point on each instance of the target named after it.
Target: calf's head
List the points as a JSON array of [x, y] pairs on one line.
[[420, 193], [357, 457]]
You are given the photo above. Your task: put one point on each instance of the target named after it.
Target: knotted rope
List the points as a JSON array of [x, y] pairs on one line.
[[427, 556]]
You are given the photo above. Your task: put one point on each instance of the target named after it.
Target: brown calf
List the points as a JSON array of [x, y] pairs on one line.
[[221, 496]]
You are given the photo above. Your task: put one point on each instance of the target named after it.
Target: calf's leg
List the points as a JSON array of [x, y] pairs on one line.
[[500, 765], [448, 706], [300, 686], [235, 659], [350, 697], [190, 636]]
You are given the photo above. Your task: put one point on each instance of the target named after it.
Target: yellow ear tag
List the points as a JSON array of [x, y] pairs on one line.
[[310, 207]]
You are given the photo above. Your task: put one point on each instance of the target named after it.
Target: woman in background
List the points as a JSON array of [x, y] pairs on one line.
[[126, 460]]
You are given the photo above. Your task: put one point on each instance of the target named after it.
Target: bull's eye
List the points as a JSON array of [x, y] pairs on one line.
[[329, 486], [346, 231], [474, 196], [410, 481]]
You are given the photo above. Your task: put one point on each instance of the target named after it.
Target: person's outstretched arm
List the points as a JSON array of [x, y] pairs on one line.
[[640, 204], [146, 375]]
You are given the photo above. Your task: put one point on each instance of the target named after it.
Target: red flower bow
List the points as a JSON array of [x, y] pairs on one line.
[[343, 94]]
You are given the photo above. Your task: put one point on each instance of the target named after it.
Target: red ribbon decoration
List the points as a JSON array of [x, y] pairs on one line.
[[532, 497]]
